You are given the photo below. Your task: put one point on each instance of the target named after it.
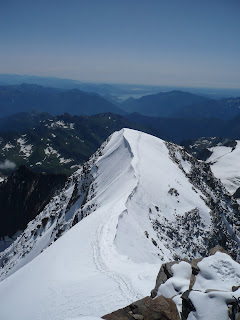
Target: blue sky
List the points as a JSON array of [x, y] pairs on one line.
[[163, 42]]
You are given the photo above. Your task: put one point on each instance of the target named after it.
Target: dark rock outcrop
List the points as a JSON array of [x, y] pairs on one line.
[[236, 194], [187, 305]]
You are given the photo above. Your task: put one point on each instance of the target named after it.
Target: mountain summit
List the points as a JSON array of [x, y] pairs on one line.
[[138, 202]]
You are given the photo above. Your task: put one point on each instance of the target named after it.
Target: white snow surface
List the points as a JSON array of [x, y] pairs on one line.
[[180, 281], [60, 124], [63, 160], [49, 151], [7, 146], [106, 261], [218, 273], [225, 165], [212, 290]]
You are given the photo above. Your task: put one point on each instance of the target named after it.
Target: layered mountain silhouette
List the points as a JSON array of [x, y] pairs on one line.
[[179, 104], [27, 97], [162, 104]]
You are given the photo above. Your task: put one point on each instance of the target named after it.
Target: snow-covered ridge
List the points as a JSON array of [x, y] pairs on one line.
[[143, 201]]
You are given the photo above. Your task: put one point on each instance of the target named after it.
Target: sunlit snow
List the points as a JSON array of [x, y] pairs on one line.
[[225, 165]]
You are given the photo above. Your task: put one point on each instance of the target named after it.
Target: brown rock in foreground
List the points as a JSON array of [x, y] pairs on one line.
[[147, 308], [164, 274]]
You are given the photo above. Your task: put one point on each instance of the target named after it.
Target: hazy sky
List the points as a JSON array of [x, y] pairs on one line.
[[165, 42]]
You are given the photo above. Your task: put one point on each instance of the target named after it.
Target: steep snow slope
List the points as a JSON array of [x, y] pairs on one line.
[[143, 201], [225, 165]]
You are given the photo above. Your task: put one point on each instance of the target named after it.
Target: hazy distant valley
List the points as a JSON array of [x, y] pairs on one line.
[[56, 130]]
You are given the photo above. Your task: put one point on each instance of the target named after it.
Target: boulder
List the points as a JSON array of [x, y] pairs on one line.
[[147, 308]]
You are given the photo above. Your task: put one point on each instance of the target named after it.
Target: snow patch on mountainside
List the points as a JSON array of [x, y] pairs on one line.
[[225, 165], [25, 148], [60, 124], [7, 146], [49, 151]]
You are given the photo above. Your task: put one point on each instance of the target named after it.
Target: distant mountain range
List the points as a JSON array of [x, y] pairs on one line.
[[173, 104], [56, 144], [27, 97], [59, 144], [177, 130], [48, 142], [179, 104], [163, 104], [180, 129], [225, 109], [117, 91]]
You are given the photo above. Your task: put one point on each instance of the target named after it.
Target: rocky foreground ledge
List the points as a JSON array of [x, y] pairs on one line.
[[203, 289]]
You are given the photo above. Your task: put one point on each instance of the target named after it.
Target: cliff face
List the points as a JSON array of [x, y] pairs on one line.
[[23, 196]]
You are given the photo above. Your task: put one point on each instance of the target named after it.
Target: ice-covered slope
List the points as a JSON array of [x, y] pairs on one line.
[[143, 201], [225, 165]]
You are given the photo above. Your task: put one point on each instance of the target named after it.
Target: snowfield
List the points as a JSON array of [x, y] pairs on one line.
[[225, 165], [112, 256]]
